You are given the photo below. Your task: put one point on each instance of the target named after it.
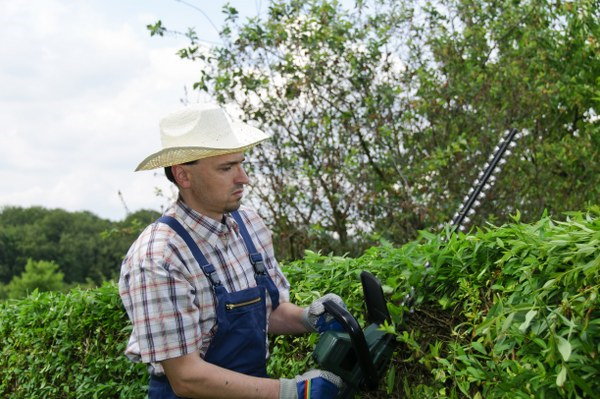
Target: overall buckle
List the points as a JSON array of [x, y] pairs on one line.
[[257, 262], [210, 272]]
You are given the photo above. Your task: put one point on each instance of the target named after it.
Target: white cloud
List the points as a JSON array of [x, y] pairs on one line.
[[80, 101]]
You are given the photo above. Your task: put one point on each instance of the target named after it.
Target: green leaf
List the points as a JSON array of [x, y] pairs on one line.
[[478, 346], [528, 318], [564, 347], [549, 283], [508, 321], [390, 378], [562, 376]]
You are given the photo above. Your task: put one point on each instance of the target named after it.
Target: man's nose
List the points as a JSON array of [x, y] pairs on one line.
[[242, 176]]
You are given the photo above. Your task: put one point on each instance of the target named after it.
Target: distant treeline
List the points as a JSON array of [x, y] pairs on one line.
[[86, 248]]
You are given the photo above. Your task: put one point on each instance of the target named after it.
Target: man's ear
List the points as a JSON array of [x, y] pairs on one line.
[[181, 175]]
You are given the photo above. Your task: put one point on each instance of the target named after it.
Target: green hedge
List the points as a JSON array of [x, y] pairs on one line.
[[502, 312], [55, 345]]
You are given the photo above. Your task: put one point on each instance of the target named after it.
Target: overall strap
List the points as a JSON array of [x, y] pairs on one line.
[[261, 275], [207, 268], [255, 257]]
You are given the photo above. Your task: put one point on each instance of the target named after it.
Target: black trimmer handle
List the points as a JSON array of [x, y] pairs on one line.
[[359, 343], [377, 311]]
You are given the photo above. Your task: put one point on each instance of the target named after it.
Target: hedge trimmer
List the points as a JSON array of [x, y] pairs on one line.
[[361, 357], [483, 183]]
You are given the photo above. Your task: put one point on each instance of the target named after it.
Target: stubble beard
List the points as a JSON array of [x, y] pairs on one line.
[[234, 207], [236, 204]]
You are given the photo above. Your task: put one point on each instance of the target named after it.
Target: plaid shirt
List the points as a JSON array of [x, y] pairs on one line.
[[167, 296]]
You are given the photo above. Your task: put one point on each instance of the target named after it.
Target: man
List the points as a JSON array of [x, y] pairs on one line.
[[201, 285]]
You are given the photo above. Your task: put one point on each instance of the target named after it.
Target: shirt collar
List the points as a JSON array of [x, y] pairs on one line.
[[205, 227]]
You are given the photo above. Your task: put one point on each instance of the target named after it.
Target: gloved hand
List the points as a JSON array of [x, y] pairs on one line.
[[316, 319], [319, 384]]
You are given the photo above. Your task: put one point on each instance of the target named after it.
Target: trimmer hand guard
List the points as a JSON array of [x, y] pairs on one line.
[[360, 358]]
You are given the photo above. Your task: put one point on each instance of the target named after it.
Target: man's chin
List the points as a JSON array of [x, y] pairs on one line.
[[234, 207]]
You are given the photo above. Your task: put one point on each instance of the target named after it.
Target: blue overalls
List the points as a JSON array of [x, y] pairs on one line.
[[240, 341]]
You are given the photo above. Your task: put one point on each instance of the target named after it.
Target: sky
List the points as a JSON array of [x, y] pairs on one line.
[[82, 88]]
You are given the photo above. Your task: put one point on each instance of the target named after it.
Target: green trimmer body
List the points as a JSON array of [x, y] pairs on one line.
[[359, 357]]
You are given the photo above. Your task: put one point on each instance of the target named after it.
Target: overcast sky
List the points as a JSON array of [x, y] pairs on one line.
[[82, 87]]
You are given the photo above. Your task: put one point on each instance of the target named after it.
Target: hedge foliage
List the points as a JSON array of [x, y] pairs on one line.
[[507, 311], [57, 345], [502, 312]]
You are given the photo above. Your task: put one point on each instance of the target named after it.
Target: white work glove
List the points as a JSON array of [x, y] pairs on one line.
[[320, 384], [316, 319]]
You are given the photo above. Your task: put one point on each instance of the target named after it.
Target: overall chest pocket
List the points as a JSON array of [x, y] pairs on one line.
[[240, 305], [250, 300]]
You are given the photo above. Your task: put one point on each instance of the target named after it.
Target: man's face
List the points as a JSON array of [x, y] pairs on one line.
[[215, 184]]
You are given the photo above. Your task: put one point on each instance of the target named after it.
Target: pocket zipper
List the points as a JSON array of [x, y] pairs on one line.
[[231, 306]]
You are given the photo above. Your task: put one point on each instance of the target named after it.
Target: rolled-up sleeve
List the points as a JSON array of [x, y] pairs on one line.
[[160, 303]]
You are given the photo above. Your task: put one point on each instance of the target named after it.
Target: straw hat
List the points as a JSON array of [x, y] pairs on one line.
[[200, 131]]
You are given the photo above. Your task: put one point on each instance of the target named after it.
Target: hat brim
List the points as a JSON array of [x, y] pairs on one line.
[[177, 155]]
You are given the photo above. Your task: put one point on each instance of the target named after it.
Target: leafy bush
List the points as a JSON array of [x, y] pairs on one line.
[[503, 312], [56, 345]]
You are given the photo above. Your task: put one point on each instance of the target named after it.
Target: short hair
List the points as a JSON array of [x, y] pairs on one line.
[[169, 172]]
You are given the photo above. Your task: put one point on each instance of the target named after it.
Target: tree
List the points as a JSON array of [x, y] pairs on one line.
[[8, 252], [38, 275], [533, 65], [84, 245], [322, 82], [382, 118]]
